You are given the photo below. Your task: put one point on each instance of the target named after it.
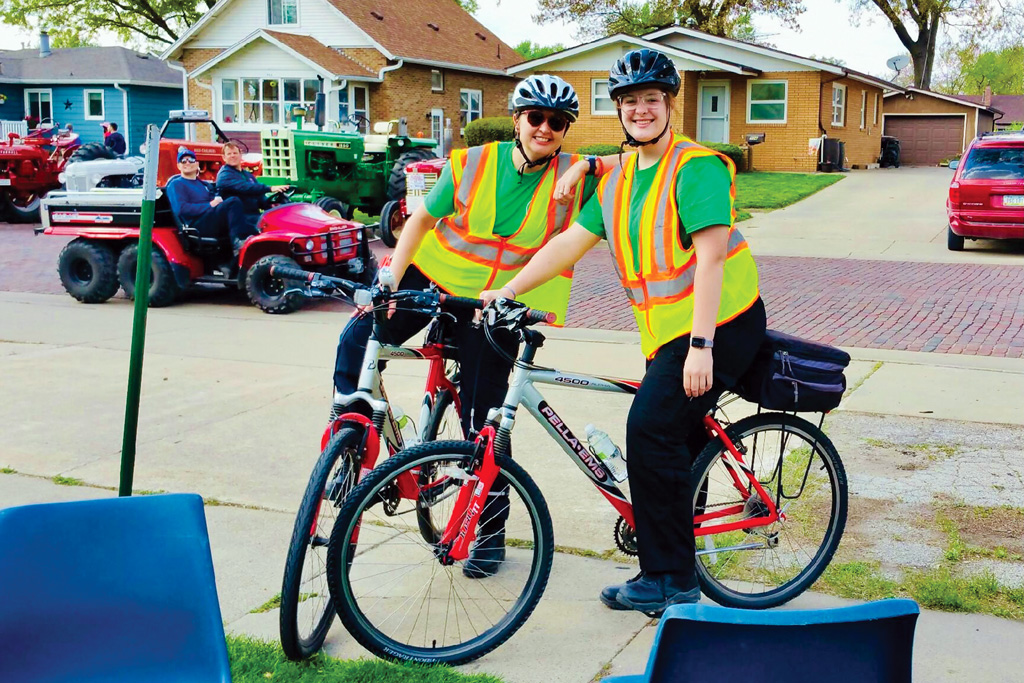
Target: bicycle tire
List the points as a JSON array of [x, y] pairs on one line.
[[346, 560], [332, 465], [781, 538]]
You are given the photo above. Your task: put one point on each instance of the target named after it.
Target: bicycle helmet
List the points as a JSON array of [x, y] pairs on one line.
[[637, 69], [546, 92]]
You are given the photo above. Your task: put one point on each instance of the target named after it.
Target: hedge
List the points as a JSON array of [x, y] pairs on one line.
[[599, 149], [731, 151], [490, 129]]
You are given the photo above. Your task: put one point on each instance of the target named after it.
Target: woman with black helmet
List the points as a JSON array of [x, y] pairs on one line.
[[490, 202], [667, 213]]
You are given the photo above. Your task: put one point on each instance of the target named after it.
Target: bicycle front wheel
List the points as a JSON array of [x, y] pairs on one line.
[[389, 586], [800, 470], [306, 610]]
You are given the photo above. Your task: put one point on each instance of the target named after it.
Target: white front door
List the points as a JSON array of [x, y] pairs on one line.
[[437, 129], [713, 116]]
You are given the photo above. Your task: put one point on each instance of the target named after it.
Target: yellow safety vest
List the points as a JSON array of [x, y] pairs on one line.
[[661, 293], [464, 256]]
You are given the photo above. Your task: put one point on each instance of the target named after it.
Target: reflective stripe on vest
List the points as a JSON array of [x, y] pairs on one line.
[[464, 256], [661, 293]]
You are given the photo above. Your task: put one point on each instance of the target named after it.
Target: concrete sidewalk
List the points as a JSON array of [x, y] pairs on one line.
[[234, 402]]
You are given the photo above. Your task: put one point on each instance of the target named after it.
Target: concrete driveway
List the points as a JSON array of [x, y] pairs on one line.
[[893, 214]]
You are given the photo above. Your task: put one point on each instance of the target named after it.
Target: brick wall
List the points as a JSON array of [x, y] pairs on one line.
[[863, 145], [198, 96], [589, 129]]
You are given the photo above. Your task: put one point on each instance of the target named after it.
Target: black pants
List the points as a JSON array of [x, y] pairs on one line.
[[227, 217], [665, 434], [484, 373]]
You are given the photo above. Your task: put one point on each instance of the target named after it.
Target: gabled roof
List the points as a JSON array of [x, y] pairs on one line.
[[305, 49], [955, 99], [708, 62], [87, 65], [437, 32], [1012, 106]]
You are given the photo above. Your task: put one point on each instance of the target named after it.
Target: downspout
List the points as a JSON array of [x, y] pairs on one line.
[[821, 126], [386, 69], [127, 119], [184, 89]]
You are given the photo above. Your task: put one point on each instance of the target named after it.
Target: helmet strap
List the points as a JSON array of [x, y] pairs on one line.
[[531, 163], [633, 142]]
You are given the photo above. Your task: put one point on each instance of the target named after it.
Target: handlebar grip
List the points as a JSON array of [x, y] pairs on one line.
[[461, 302], [536, 316], [292, 273]]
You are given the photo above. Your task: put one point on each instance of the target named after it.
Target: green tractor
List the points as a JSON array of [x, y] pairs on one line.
[[341, 172]]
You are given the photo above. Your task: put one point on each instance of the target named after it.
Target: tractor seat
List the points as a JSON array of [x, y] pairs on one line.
[[375, 144]]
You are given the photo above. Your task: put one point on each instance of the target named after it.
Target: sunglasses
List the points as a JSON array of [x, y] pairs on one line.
[[556, 122], [187, 160]]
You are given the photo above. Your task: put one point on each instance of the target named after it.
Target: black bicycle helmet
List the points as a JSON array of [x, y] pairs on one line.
[[643, 67], [546, 92]]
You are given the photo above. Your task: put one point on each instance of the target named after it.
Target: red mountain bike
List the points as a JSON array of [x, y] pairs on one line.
[[770, 502]]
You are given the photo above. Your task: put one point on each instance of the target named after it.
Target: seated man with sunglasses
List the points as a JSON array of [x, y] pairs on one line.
[[194, 203], [492, 208]]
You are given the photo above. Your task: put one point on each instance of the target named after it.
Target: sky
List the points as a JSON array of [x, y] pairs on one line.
[[827, 31]]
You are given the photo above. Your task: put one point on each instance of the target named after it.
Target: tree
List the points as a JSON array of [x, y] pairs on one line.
[[726, 18], [528, 50], [829, 60], [977, 20], [968, 71]]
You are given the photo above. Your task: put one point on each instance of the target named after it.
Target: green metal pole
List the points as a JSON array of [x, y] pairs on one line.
[[131, 411]]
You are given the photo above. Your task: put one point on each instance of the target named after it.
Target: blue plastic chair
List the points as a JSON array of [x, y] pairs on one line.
[[112, 590], [870, 643]]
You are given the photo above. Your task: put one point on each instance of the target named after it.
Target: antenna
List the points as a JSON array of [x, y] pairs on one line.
[[898, 63]]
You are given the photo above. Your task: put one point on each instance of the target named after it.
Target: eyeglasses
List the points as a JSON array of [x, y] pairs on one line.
[[187, 160], [556, 122], [632, 102]]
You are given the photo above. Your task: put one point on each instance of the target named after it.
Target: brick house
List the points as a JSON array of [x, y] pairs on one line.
[[249, 61], [731, 89], [933, 126]]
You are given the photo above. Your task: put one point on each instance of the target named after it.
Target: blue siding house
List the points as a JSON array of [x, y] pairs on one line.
[[86, 86]]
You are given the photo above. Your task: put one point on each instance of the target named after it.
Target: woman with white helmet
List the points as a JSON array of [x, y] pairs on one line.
[[667, 213], [481, 223]]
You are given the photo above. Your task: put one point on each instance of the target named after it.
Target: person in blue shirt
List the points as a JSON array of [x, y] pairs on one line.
[[193, 202], [232, 181], [113, 139]]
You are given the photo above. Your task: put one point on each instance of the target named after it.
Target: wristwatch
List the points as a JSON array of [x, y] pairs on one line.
[[701, 343], [592, 160]]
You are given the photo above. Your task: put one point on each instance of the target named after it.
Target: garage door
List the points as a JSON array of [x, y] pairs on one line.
[[926, 139]]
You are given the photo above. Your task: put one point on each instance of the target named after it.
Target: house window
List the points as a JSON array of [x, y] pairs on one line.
[[838, 105], [766, 101], [354, 108], [600, 103], [282, 12], [436, 80], [863, 109], [94, 105], [38, 104], [265, 100], [876, 109], [471, 106]]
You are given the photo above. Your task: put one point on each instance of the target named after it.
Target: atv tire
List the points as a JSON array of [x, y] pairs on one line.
[[391, 221], [21, 209], [88, 271], [335, 207], [91, 151], [163, 288], [396, 181], [269, 293]]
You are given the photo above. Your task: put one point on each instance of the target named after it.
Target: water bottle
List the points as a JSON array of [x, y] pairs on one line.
[[605, 449], [408, 428]]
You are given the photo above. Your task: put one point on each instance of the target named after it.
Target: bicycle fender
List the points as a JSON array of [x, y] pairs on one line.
[[371, 438]]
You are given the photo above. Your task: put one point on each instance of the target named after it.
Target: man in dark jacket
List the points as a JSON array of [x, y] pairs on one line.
[[113, 139], [193, 202], [232, 181]]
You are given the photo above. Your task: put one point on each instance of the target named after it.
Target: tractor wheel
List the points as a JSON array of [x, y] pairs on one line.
[[163, 288], [88, 271], [22, 208], [270, 294], [391, 221], [396, 181], [91, 151], [335, 207]]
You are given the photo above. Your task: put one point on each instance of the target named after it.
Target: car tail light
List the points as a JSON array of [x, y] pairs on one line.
[[954, 195]]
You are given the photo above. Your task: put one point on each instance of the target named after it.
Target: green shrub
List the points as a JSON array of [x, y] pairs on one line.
[[731, 151], [490, 129], [599, 149]]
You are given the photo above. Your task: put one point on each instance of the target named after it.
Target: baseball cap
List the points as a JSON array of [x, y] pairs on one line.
[[185, 152]]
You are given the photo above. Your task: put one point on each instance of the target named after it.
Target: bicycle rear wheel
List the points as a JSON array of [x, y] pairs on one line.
[[306, 610], [799, 468], [389, 587]]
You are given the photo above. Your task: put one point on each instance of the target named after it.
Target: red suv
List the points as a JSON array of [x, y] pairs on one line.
[[986, 197]]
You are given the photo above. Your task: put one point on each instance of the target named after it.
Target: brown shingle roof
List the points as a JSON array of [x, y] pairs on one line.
[[404, 30], [1012, 106], [318, 53]]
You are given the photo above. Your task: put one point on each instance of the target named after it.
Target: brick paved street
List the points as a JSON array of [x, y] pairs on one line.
[[948, 308]]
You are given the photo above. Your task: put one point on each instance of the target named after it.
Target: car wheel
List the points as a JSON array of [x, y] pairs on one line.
[[335, 207], [391, 221], [163, 288], [954, 242], [88, 271], [270, 293]]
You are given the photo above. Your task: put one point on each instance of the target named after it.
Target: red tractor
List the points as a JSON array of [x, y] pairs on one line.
[[104, 254], [30, 166]]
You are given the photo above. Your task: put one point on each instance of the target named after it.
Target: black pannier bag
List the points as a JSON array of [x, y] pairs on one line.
[[794, 374]]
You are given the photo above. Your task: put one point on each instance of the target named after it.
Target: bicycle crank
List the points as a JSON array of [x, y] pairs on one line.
[[625, 537]]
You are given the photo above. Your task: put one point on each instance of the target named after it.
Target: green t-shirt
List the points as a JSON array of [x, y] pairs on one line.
[[513, 192], [702, 194]]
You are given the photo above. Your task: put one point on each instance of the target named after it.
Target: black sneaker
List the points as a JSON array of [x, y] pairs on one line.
[[610, 593], [652, 594], [486, 556]]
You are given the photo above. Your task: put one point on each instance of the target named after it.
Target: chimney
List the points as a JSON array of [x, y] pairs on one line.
[[986, 99], [44, 44]]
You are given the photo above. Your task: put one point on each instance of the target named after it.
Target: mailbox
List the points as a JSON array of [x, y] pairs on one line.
[[754, 138]]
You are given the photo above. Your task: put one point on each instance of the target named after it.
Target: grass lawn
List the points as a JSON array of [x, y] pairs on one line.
[[763, 190], [254, 661]]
